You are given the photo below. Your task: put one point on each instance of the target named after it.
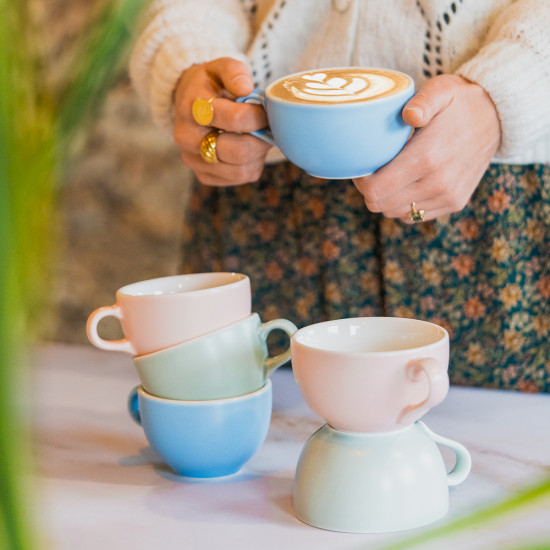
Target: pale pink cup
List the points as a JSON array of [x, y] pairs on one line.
[[371, 374], [159, 313]]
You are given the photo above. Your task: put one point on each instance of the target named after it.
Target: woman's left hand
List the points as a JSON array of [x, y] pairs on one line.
[[458, 133]]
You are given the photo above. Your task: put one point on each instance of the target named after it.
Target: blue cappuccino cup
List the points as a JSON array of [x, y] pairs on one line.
[[204, 439], [337, 123]]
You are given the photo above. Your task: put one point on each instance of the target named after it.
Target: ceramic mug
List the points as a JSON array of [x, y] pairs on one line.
[[335, 140], [224, 363], [379, 482], [204, 439], [371, 374], [159, 313]]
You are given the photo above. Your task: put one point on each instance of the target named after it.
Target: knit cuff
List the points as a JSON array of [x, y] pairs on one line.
[[177, 36], [511, 74]]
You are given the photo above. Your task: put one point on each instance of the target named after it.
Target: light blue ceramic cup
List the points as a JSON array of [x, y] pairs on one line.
[[376, 482], [336, 141], [204, 439]]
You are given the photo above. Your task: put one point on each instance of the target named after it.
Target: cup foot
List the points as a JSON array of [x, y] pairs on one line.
[[364, 528], [210, 474], [340, 177]]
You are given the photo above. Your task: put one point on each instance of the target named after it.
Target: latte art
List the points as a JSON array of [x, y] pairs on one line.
[[339, 86]]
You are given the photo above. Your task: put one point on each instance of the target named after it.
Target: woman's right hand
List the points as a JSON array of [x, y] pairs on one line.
[[241, 157]]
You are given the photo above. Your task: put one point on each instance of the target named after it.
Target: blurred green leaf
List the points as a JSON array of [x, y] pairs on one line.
[[97, 66], [37, 126], [482, 517]]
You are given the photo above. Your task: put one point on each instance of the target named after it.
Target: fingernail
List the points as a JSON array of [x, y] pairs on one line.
[[416, 110]]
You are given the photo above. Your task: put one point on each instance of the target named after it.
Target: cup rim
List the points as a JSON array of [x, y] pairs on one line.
[[370, 435], [208, 335], [294, 340], [239, 278], [339, 105], [204, 402]]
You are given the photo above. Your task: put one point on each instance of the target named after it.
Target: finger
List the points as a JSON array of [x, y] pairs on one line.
[[389, 181], [434, 96], [222, 174], [231, 148], [393, 205], [232, 75], [429, 215], [235, 78], [237, 117], [188, 136], [421, 157], [431, 209], [433, 204], [194, 83], [432, 193], [240, 149]]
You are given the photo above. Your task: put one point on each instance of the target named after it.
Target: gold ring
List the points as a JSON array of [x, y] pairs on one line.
[[202, 110], [208, 147], [416, 215]]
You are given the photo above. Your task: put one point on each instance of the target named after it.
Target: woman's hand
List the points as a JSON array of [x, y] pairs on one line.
[[240, 156], [458, 132]]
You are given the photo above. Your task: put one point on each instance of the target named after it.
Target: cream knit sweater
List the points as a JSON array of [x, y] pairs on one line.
[[503, 45]]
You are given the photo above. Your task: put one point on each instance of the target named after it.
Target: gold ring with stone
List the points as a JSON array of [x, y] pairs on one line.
[[416, 215], [203, 111], [208, 146]]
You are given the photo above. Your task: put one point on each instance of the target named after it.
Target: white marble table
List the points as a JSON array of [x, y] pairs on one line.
[[99, 486]]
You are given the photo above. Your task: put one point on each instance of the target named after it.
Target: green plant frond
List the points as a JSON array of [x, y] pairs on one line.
[[36, 128], [519, 501], [98, 64]]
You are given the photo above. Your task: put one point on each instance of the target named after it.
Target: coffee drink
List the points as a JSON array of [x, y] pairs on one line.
[[337, 123], [334, 86]]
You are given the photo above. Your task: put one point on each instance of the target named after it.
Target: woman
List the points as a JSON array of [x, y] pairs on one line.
[[475, 175]]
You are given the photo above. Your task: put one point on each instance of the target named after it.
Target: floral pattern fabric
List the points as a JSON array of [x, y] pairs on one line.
[[313, 253]]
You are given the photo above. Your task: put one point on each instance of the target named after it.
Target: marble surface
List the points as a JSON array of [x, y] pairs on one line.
[[98, 484]]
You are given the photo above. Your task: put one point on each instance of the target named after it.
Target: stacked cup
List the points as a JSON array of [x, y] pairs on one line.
[[205, 398], [373, 466]]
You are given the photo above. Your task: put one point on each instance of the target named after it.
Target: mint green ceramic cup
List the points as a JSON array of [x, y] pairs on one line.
[[376, 482], [228, 362]]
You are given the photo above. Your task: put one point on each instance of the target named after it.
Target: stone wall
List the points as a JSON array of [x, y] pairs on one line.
[[121, 211], [122, 203]]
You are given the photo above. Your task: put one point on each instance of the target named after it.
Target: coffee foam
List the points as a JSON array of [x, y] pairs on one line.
[[339, 86]]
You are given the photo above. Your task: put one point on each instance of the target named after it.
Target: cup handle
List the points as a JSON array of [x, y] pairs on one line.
[[273, 363], [111, 345], [463, 463], [438, 387], [258, 96], [133, 406]]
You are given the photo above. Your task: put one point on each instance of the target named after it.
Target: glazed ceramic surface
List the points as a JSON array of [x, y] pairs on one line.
[[368, 483], [371, 374], [159, 313], [336, 141], [204, 439], [228, 362]]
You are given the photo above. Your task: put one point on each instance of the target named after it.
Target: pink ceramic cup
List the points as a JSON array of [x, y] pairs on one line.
[[371, 374], [159, 313]]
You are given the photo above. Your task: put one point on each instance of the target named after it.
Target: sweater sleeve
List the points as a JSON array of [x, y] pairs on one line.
[[177, 34], [514, 68]]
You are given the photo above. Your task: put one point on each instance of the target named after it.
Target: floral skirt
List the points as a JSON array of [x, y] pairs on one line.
[[314, 253]]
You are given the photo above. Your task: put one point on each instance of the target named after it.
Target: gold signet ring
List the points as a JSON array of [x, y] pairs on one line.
[[208, 147], [416, 215], [203, 112]]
